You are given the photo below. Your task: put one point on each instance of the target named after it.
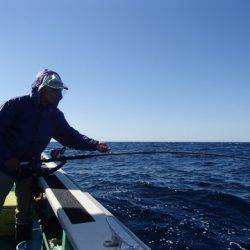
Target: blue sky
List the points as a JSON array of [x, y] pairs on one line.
[[172, 70]]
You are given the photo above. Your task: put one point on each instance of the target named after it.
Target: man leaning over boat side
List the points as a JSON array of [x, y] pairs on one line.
[[27, 124]]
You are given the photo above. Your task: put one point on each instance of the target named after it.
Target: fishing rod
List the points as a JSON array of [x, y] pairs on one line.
[[84, 156], [57, 155]]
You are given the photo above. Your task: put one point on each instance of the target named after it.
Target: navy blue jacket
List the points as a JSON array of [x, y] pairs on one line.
[[26, 128]]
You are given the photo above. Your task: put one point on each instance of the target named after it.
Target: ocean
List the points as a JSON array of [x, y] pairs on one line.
[[173, 201]]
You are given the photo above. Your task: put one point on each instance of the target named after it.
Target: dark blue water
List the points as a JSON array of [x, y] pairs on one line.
[[174, 202]]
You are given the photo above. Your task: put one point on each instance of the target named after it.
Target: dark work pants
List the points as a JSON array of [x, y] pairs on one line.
[[23, 194]]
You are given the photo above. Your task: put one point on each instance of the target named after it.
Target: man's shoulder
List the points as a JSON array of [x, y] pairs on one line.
[[58, 113], [17, 103], [21, 99]]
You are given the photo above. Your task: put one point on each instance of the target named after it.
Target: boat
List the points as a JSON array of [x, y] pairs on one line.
[[67, 217]]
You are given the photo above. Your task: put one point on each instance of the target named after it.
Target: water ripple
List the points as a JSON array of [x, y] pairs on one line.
[[174, 202]]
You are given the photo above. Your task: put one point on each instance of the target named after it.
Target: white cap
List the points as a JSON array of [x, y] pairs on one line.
[[53, 81]]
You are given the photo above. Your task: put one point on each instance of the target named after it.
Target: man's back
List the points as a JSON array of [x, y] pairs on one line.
[[26, 127]]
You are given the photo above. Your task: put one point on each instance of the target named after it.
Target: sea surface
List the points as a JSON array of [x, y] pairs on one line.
[[173, 201]]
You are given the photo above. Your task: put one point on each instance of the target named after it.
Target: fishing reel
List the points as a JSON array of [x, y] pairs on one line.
[[57, 153]]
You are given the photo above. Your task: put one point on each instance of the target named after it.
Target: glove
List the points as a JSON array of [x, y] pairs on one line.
[[103, 147]]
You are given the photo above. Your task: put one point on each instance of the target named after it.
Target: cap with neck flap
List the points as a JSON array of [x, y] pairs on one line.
[[48, 78]]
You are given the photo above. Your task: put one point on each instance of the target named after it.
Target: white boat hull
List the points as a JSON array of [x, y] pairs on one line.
[[87, 224]]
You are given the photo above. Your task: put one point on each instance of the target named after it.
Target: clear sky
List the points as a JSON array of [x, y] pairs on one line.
[[138, 70]]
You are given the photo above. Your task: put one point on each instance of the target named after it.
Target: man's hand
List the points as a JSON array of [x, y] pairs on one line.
[[102, 147], [12, 164]]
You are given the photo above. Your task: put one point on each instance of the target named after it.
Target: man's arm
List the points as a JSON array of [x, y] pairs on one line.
[[69, 137]]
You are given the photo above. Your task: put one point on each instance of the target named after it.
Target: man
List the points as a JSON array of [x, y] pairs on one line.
[[27, 124]]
